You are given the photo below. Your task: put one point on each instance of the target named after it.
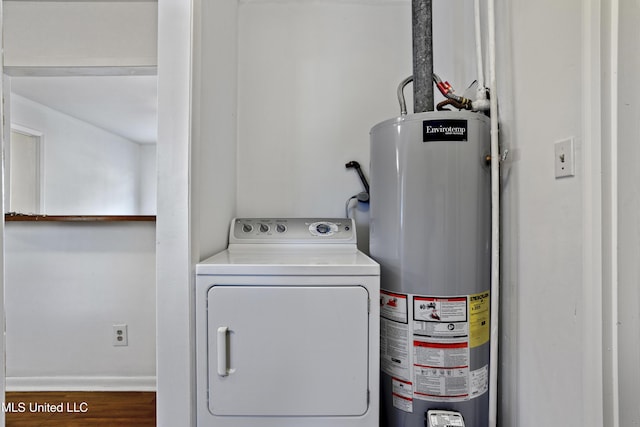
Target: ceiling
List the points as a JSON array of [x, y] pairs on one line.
[[124, 105]]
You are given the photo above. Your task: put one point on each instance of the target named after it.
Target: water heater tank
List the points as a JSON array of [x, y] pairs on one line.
[[430, 232]]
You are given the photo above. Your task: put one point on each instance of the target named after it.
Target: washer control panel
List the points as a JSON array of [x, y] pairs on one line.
[[292, 230]]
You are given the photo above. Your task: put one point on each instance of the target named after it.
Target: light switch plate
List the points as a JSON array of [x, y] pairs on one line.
[[565, 164]]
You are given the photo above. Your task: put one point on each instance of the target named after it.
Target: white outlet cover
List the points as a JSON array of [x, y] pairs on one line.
[[120, 335]]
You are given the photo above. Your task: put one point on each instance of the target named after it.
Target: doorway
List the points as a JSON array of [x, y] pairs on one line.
[[25, 171]]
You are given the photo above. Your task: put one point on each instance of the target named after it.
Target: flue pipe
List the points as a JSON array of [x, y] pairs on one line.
[[422, 56]]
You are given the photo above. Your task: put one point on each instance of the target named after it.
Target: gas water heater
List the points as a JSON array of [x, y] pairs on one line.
[[431, 234]]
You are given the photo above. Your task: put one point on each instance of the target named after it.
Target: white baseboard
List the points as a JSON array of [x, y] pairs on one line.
[[81, 383]]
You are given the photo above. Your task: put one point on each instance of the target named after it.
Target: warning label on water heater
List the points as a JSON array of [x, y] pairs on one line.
[[394, 335], [402, 392], [479, 316], [426, 344], [431, 309], [441, 371]]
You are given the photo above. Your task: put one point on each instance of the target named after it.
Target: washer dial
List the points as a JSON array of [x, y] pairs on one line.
[[323, 228]]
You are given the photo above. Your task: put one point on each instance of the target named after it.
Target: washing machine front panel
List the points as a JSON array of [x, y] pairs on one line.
[[285, 350], [287, 327]]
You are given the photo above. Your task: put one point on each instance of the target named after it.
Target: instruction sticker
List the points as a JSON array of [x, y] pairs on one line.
[[426, 345], [394, 349], [479, 381], [394, 306], [479, 312], [442, 385], [437, 355], [441, 371], [402, 392], [442, 331], [431, 309], [394, 335]]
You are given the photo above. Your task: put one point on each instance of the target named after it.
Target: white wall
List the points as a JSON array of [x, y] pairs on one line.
[[66, 285], [628, 207], [214, 126], [72, 33], [313, 78], [551, 336], [87, 171]]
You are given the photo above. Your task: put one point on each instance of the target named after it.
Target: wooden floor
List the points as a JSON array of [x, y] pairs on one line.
[[80, 409]]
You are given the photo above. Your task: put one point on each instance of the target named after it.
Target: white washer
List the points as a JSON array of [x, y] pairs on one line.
[[287, 327]]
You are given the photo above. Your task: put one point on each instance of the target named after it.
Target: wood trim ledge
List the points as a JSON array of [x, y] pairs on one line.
[[77, 218]]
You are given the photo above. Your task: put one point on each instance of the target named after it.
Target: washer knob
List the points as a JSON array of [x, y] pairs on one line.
[[247, 228], [323, 228], [264, 228], [281, 228]]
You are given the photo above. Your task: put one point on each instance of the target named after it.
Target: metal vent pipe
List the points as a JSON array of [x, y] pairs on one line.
[[422, 56]]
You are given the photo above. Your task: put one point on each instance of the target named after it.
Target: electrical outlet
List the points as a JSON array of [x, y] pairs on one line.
[[120, 335], [565, 164]]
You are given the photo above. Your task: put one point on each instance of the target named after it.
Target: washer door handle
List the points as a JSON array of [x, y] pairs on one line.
[[223, 350]]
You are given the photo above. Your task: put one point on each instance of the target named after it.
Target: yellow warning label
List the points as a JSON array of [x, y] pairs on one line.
[[479, 314]]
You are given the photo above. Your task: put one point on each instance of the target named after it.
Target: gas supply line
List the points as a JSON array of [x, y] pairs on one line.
[[445, 88]]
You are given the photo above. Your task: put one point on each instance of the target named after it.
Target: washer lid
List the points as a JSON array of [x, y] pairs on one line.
[[287, 261]]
